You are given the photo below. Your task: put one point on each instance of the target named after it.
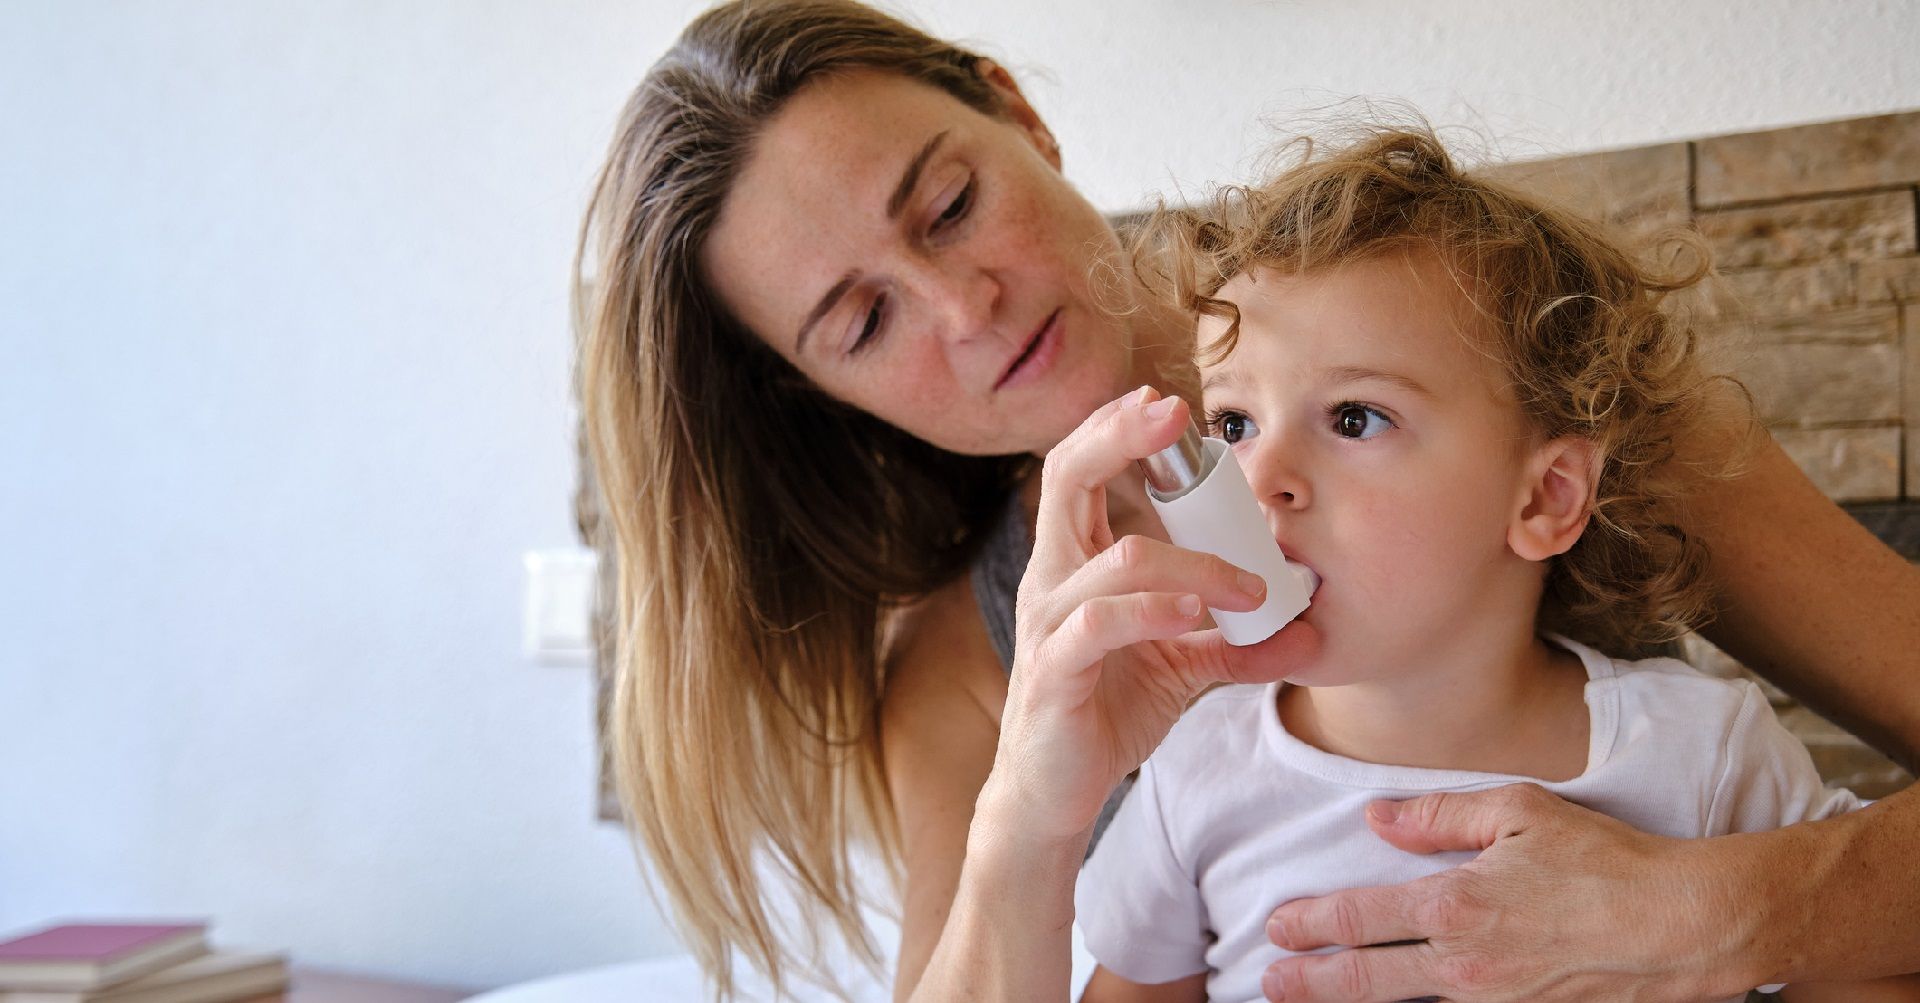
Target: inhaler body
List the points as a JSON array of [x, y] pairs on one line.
[[1206, 505]]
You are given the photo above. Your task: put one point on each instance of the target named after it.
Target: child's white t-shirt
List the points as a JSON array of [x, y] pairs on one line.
[[1233, 816]]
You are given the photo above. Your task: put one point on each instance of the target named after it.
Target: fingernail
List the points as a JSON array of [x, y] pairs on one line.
[[1271, 985], [1253, 584], [1135, 398], [1190, 605], [1162, 407], [1384, 812]]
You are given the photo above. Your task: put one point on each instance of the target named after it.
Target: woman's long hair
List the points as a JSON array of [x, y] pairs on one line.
[[761, 530]]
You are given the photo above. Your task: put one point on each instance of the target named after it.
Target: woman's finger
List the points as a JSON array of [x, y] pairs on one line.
[[1464, 821], [1354, 917], [1072, 522], [1363, 975], [1144, 564], [1106, 623]]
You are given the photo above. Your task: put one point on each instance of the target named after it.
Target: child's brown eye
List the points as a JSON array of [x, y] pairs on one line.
[[1235, 426], [1358, 421]]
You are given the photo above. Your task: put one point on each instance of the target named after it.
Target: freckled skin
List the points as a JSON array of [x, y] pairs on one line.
[[961, 298]]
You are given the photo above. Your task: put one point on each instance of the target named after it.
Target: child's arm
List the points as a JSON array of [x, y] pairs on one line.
[[1106, 987]]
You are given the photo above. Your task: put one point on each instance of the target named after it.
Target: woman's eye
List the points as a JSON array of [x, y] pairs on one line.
[[1358, 421], [1232, 426], [956, 209], [870, 326]]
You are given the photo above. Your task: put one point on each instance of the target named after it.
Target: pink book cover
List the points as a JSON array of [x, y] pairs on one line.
[[89, 941]]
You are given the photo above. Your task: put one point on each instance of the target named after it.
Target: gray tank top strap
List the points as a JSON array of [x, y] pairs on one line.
[[995, 575]]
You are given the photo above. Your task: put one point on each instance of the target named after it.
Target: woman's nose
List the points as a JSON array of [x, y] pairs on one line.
[[962, 298]]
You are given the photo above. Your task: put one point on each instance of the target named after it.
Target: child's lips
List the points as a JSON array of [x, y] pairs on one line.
[[1313, 577]]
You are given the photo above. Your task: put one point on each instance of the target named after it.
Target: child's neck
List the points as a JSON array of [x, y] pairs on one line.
[[1502, 703]]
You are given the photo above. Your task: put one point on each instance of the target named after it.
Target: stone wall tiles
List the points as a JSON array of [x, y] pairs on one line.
[[1910, 381], [1849, 464], [1643, 188], [1809, 384], [1854, 155], [1849, 227], [1887, 279], [1779, 292]]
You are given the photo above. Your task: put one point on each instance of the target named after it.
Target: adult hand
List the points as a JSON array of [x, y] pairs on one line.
[[1108, 650], [1563, 904]]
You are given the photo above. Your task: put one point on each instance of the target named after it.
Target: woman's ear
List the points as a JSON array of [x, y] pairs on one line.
[[1556, 498], [1014, 105]]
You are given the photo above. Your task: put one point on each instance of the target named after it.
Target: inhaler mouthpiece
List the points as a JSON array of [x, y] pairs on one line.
[[1206, 504]]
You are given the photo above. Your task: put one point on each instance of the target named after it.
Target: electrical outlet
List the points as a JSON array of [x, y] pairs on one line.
[[558, 624]]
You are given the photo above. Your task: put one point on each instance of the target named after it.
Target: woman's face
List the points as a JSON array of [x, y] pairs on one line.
[[925, 263]]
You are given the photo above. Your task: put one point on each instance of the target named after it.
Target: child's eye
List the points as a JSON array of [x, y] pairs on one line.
[[1358, 421], [1231, 426]]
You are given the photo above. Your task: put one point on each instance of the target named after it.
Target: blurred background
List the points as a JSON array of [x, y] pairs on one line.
[[285, 397]]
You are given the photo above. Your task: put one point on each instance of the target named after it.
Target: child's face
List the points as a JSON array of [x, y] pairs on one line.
[[1375, 424]]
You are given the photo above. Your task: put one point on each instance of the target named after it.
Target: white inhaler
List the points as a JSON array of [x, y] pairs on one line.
[[1204, 501]]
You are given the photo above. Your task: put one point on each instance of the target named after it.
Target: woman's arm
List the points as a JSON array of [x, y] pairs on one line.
[[1814, 602], [940, 721], [1108, 653]]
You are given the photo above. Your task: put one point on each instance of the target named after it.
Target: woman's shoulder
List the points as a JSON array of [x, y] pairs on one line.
[[937, 657]]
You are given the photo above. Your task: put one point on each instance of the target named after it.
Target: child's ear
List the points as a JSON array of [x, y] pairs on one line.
[[1556, 498]]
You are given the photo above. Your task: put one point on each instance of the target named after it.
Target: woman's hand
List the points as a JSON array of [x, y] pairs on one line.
[[1563, 904], [1108, 650]]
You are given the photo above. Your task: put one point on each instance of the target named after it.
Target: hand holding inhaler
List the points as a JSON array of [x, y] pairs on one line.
[[1108, 645], [1205, 504]]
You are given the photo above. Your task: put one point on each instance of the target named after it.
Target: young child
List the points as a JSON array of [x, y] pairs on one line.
[[1459, 407]]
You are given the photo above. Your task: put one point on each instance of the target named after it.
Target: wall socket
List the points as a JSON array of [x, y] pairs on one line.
[[557, 628]]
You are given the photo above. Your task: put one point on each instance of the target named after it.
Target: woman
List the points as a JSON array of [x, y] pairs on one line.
[[844, 298]]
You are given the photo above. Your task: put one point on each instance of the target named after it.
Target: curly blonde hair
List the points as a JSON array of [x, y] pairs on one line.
[[1579, 324]]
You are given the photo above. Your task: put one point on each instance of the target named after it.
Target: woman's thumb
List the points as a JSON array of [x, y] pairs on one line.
[[1454, 821]]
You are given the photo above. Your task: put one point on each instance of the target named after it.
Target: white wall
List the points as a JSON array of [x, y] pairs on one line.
[[283, 397]]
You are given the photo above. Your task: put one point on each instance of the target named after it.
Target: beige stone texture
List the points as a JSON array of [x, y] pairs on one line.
[[1887, 279], [1910, 381], [1781, 292], [1857, 154], [1850, 228], [1641, 188], [1848, 464], [1864, 324], [1814, 383]]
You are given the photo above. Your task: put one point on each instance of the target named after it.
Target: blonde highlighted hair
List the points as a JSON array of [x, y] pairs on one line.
[[761, 530], [1578, 321]]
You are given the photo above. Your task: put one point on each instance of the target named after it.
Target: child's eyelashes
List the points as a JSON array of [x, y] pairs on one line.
[[1346, 419], [1230, 426], [1353, 420]]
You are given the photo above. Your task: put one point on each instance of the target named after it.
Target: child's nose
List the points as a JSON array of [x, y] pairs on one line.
[[1276, 475]]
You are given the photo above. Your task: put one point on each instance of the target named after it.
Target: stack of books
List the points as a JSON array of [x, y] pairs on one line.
[[132, 963]]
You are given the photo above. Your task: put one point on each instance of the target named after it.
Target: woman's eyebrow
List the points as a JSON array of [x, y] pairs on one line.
[[897, 201], [820, 310], [911, 176]]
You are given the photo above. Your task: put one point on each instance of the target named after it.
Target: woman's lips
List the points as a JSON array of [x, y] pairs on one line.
[[1036, 358]]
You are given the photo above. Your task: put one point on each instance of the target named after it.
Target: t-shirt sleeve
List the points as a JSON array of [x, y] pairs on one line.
[[1138, 909], [1768, 779]]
